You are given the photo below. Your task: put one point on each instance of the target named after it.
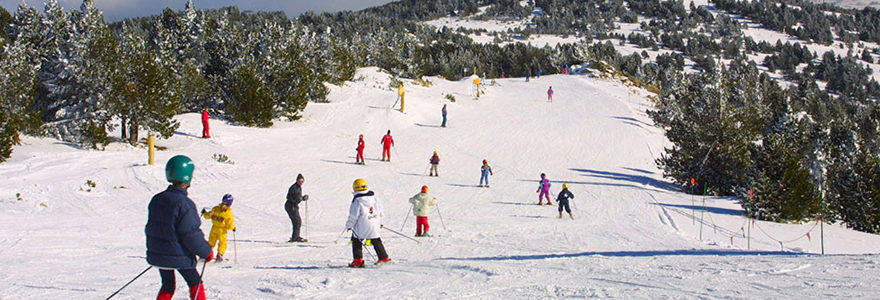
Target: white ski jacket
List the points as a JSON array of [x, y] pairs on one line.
[[422, 203], [365, 216]]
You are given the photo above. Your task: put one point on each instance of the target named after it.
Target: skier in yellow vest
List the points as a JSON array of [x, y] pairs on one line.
[[222, 219]]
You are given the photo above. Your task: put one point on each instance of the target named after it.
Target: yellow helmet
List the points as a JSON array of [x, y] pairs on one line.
[[564, 186], [435, 152], [359, 185]]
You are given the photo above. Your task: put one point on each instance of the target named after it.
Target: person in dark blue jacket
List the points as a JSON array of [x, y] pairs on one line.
[[562, 199], [174, 236]]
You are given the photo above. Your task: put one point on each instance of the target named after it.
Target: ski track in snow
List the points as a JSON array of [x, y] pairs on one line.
[[633, 235]]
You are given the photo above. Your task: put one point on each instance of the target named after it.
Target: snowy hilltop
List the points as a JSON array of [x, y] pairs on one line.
[[73, 220]]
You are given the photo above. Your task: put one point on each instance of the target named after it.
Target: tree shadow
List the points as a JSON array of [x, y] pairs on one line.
[[642, 180], [715, 210], [643, 253]]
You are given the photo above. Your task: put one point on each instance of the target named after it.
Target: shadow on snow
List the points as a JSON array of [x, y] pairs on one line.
[[715, 210], [644, 253], [643, 180]]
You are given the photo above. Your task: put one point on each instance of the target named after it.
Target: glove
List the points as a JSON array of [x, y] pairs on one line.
[[210, 256], [204, 210], [305, 197], [233, 229], [348, 229]]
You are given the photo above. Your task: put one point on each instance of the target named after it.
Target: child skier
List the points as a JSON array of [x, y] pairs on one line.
[[421, 208], [360, 151], [206, 132], [387, 143], [485, 171], [443, 111], [562, 200], [435, 160], [550, 94], [222, 221], [173, 235], [365, 221], [544, 190]]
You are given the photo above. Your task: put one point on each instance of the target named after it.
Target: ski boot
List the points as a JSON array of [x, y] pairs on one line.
[[384, 260], [357, 263]]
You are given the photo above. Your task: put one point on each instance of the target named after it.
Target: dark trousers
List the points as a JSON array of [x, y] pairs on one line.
[[168, 281], [357, 248], [563, 203], [295, 220]]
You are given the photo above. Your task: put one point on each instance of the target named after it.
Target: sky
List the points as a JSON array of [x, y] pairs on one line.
[[116, 10]]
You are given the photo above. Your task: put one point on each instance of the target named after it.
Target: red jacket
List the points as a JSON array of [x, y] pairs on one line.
[[205, 116], [387, 141], [360, 145]]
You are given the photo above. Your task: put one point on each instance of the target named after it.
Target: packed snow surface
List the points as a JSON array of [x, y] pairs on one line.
[[72, 221]]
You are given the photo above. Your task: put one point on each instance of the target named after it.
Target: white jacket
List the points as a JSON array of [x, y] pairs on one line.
[[365, 216], [422, 203]]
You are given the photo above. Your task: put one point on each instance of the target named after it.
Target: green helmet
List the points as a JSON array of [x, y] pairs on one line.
[[179, 168]]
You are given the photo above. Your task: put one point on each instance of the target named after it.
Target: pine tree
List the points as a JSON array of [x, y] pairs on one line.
[[17, 75]]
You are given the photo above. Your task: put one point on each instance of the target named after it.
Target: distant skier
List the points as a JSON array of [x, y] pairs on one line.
[[365, 221], [421, 209], [359, 159], [401, 93], [435, 160], [544, 190], [538, 70], [485, 171], [562, 200], [528, 73], [443, 111], [550, 94], [387, 143], [173, 235], [294, 198], [205, 128], [222, 221]]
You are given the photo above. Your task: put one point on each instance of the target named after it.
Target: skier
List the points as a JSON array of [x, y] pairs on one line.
[[528, 73], [387, 142], [365, 221], [485, 171], [360, 150], [294, 197], [544, 190], [435, 160], [562, 200], [172, 232], [421, 208], [205, 128], [222, 221], [443, 111], [550, 94], [401, 93], [538, 69]]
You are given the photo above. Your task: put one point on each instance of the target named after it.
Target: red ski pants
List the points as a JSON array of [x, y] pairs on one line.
[[386, 152], [420, 223], [205, 130]]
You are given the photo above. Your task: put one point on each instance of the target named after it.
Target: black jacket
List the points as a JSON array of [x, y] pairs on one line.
[[294, 195]]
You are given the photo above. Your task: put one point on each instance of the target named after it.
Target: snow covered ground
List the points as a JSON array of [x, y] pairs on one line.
[[634, 234]]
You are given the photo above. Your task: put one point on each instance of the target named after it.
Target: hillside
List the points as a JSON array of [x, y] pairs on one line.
[[633, 234]]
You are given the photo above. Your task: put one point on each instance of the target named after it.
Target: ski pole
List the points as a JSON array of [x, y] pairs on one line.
[[441, 216], [401, 234], [341, 234], [234, 247], [135, 278], [406, 218], [307, 219], [201, 284]]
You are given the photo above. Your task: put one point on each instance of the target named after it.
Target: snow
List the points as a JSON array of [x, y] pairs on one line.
[[634, 235]]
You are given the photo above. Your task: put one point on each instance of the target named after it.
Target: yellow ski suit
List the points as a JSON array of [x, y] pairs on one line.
[[222, 219]]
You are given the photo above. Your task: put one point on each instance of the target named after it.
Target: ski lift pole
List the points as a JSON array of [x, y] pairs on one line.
[[705, 189]]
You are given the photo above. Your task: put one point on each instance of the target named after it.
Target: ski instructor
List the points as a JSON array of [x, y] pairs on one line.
[[294, 197], [173, 234]]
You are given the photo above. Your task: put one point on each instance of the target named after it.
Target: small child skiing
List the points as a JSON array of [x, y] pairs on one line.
[[443, 111], [359, 159], [435, 160], [485, 171], [562, 200], [222, 221], [550, 94], [544, 190], [421, 208]]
